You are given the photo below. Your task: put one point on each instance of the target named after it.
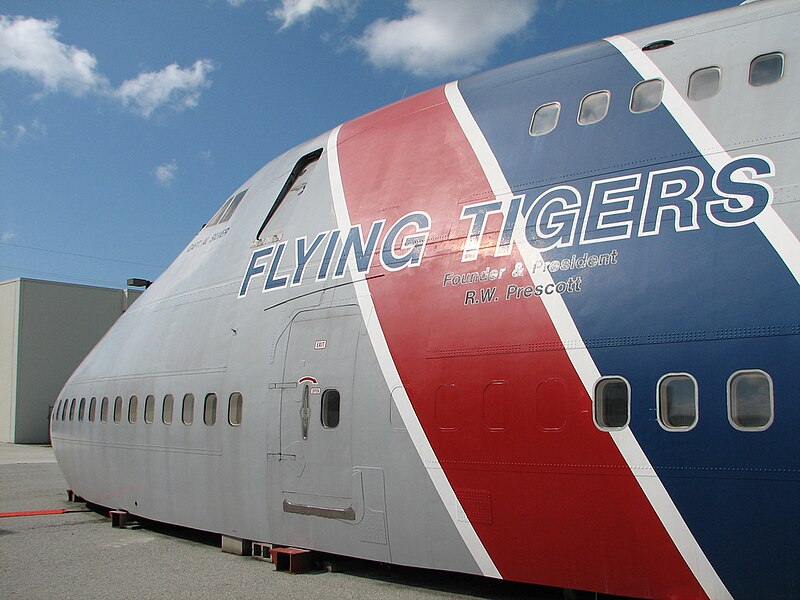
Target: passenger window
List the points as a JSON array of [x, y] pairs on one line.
[[299, 176], [149, 408], [677, 401], [704, 83], [133, 409], [166, 410], [766, 69], [235, 409], [750, 400], [104, 409], [594, 108], [545, 119], [647, 95], [64, 409], [188, 409], [210, 410], [92, 408], [82, 409], [117, 409], [72, 410], [330, 409], [612, 399]]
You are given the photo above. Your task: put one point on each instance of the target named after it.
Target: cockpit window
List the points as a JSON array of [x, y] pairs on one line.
[[227, 209]]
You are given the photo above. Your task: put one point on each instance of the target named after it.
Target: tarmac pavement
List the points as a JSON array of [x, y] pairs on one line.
[[79, 555]]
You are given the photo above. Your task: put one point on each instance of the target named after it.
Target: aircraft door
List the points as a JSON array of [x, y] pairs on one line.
[[316, 414]]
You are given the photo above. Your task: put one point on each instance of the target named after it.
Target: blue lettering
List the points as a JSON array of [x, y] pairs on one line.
[[303, 255], [741, 200], [272, 281], [362, 253], [253, 268], [671, 192], [413, 244], [326, 259]]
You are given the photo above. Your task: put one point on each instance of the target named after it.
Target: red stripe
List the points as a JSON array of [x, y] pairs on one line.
[[553, 506], [34, 513]]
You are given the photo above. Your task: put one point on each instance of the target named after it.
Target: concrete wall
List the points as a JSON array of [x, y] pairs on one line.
[[57, 325], [9, 311]]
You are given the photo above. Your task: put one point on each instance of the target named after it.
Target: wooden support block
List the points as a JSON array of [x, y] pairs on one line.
[[293, 560], [73, 497], [119, 518]]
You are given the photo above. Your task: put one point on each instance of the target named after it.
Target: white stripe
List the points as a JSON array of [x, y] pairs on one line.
[[588, 372], [772, 226], [392, 377]]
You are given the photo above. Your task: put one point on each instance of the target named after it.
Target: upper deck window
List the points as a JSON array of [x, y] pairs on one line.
[[704, 83], [646, 96], [294, 186], [594, 108], [545, 119], [766, 69]]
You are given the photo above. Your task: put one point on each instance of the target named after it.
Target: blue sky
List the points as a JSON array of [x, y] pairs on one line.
[[124, 125]]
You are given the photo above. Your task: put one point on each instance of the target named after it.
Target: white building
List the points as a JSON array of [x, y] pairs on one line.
[[46, 330]]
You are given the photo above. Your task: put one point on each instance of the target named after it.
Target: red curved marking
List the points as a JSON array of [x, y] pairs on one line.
[[558, 507], [307, 380]]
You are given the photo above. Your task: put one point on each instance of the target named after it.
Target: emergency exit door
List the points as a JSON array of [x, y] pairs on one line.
[[316, 413]]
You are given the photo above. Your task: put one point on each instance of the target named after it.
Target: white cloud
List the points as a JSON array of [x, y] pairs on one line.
[[445, 37], [30, 47], [291, 11], [7, 236], [165, 173], [35, 129], [174, 86]]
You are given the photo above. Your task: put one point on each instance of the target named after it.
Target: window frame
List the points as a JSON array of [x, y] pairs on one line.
[[607, 93], [93, 409], [729, 386], [638, 86], [104, 410], [240, 402], [171, 399], [188, 401], [118, 401], [133, 409], [322, 406], [765, 55], [210, 409], [149, 409], [598, 383], [536, 112], [659, 411], [695, 72]]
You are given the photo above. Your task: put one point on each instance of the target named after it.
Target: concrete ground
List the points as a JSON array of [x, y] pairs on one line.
[[79, 555]]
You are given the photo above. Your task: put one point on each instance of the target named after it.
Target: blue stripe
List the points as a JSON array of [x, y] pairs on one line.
[[709, 302]]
